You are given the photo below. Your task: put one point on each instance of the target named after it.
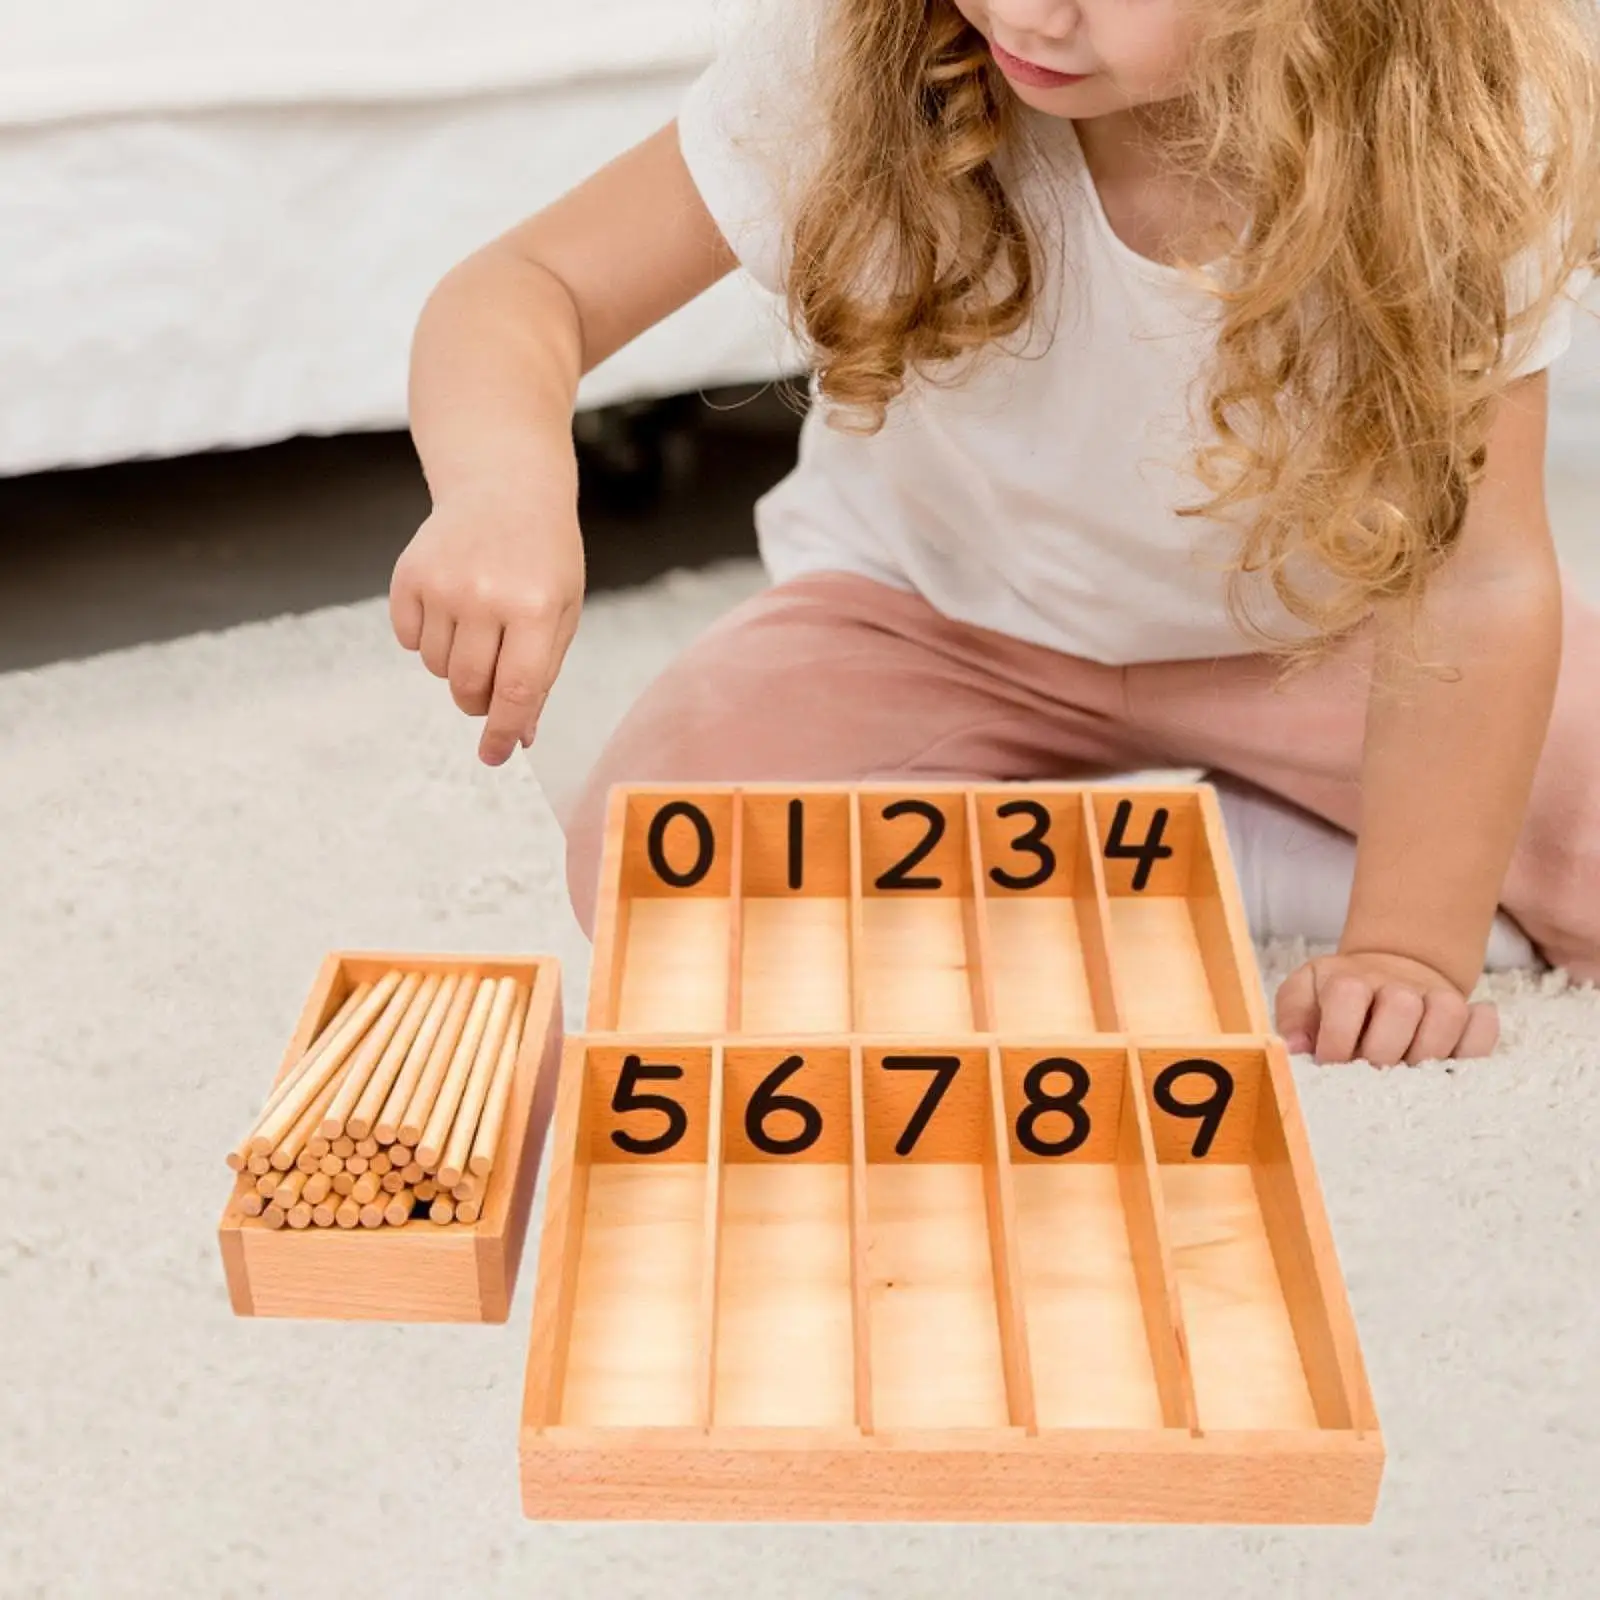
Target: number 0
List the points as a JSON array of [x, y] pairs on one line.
[[656, 844]]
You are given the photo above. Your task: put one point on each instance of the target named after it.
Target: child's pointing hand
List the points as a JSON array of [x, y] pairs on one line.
[[1369, 1005], [488, 593]]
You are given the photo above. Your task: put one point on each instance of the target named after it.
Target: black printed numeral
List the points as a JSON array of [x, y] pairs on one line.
[[1148, 851], [626, 1099], [899, 875], [1208, 1112], [797, 843], [944, 1070], [656, 844], [1041, 1103], [767, 1102], [1029, 842]]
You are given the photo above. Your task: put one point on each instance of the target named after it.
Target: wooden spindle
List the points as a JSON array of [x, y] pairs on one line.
[[363, 1123], [386, 1129], [364, 1062], [485, 1064], [323, 1069], [438, 1064], [487, 1138], [239, 1156]]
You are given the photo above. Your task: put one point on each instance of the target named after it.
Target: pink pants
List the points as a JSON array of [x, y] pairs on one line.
[[834, 678]]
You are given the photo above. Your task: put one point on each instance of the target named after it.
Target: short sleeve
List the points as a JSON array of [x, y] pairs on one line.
[[745, 127], [1532, 348]]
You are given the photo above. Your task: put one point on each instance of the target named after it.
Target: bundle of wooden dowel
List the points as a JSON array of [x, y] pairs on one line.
[[394, 1111]]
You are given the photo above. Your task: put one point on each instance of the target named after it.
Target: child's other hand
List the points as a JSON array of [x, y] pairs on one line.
[[488, 593], [1385, 1009]]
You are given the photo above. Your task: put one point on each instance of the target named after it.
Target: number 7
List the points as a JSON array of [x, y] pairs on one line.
[[944, 1070]]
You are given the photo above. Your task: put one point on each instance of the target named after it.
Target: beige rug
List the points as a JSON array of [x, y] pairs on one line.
[[185, 829]]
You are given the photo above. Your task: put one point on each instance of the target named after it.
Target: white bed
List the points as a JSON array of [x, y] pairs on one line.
[[218, 221]]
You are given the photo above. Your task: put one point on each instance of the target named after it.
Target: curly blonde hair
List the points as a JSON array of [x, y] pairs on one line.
[[1402, 167]]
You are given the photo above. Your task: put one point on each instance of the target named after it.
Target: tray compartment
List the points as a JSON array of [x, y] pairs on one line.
[[938, 1281], [666, 934], [1048, 962], [1262, 1342], [627, 1347], [1179, 942], [785, 1324], [918, 966], [794, 961]]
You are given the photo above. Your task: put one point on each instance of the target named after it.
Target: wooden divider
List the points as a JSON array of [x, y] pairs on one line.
[[1104, 970], [1144, 1206], [858, 936], [860, 1272], [1011, 1311], [980, 946], [734, 1010], [711, 1251]]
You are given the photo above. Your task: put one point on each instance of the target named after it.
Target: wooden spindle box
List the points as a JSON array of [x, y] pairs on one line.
[[929, 1155], [422, 1272]]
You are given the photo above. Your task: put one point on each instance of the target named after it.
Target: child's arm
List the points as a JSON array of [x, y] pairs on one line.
[[489, 589], [1447, 770]]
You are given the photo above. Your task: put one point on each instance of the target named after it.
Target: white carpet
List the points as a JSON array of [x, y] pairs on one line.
[[185, 829]]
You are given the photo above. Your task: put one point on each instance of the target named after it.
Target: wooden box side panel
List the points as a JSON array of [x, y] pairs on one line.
[[1269, 1480], [419, 1273], [1224, 928], [502, 1229], [610, 930], [1305, 1253], [560, 1243]]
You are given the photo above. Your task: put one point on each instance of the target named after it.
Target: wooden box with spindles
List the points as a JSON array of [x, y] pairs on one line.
[[928, 1154], [389, 1172]]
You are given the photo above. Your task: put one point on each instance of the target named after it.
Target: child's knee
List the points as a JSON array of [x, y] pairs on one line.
[[645, 749], [585, 826]]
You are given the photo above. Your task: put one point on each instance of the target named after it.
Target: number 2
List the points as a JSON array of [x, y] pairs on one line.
[[898, 876]]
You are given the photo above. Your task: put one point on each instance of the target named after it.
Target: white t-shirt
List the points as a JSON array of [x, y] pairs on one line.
[[1036, 499]]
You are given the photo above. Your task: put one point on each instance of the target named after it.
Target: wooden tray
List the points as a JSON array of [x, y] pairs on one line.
[[929, 1156], [422, 1272]]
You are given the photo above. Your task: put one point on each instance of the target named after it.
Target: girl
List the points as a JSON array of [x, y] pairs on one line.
[[1178, 402]]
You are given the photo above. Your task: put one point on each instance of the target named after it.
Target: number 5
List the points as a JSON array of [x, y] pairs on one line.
[[626, 1098]]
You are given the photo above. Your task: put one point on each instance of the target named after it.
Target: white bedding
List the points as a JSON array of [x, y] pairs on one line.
[[218, 223], [102, 58]]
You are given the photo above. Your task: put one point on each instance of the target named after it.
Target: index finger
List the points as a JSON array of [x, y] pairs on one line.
[[521, 681]]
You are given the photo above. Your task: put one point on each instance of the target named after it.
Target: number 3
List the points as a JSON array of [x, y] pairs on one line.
[[1031, 842]]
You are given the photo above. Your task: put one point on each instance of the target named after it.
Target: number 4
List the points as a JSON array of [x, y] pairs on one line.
[[1149, 851]]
